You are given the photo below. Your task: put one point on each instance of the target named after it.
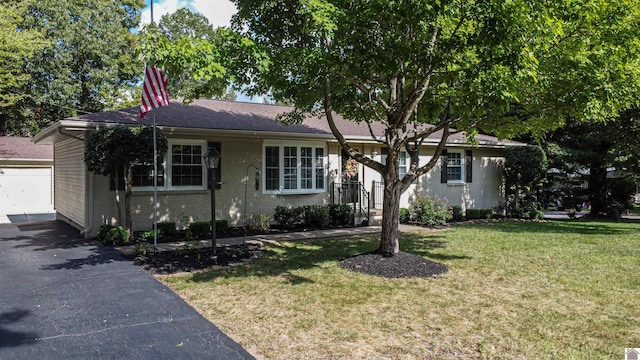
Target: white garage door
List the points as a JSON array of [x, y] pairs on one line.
[[25, 190]]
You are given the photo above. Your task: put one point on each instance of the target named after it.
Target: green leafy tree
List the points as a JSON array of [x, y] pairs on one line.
[[198, 59], [87, 65], [419, 68], [597, 147], [113, 151], [525, 169], [17, 46], [185, 23]]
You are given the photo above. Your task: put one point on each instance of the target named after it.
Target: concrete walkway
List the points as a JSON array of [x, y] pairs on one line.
[[62, 297], [291, 236]]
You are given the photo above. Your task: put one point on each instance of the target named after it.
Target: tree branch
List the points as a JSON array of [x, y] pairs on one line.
[[354, 153]]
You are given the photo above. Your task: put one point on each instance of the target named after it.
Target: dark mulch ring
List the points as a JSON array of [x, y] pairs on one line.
[[188, 260], [402, 265]]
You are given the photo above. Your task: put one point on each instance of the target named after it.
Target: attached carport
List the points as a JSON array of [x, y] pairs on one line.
[[26, 177]]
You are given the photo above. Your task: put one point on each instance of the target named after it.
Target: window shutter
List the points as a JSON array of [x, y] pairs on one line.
[[218, 170], [468, 165], [443, 173]]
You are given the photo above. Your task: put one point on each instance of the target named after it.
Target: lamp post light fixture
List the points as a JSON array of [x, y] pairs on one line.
[[211, 160]]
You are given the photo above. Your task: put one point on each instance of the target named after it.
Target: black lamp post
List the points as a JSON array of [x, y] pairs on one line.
[[211, 160]]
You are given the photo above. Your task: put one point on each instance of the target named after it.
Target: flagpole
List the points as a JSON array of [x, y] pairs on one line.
[[155, 186], [155, 171]]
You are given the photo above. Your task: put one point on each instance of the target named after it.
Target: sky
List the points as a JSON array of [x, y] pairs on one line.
[[217, 11]]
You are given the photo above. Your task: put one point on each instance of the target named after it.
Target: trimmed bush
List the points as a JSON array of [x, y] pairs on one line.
[[340, 214], [405, 215], [222, 226], [456, 213], [167, 229], [287, 217], [479, 214], [200, 229], [430, 212], [316, 216]]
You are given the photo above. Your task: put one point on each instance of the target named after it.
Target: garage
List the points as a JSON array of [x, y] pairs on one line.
[[26, 177], [25, 190]]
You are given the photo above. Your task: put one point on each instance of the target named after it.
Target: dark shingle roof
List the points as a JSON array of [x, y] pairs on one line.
[[22, 148], [243, 116]]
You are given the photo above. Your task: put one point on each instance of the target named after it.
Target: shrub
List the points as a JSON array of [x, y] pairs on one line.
[[188, 248], [405, 215], [167, 229], [288, 217], [147, 235], [479, 214], [117, 235], [104, 230], [222, 226], [316, 216], [519, 213], [430, 212], [456, 213], [142, 248], [615, 209], [200, 228], [258, 223], [340, 214], [536, 214]]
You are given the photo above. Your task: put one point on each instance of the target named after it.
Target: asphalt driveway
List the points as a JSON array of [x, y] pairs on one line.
[[62, 297]]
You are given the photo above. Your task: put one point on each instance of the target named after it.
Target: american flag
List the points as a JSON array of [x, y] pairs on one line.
[[154, 91]]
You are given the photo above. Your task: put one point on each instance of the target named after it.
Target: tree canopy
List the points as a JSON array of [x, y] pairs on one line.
[[416, 67], [115, 150], [199, 61], [16, 47], [88, 63], [597, 147]]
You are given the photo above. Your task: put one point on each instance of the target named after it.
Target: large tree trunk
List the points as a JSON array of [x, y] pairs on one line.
[[389, 244], [598, 189]]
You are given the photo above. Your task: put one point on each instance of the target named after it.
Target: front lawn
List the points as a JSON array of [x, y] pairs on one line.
[[549, 290]]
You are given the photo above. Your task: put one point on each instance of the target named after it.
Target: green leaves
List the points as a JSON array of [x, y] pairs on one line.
[[109, 150], [78, 57], [199, 61]]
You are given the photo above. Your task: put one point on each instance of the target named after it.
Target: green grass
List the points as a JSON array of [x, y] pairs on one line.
[[548, 290]]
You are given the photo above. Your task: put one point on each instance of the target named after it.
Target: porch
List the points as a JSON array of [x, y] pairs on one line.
[[366, 203]]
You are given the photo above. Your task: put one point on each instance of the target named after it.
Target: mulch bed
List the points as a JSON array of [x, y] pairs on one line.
[[401, 265], [189, 260]]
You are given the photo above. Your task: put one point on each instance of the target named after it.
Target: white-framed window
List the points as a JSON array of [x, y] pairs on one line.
[[294, 168], [403, 162], [455, 167], [183, 168]]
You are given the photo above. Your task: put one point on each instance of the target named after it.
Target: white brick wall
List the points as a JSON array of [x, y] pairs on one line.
[[485, 191], [239, 153]]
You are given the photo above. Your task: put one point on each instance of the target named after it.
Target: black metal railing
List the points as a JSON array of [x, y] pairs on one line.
[[378, 194], [352, 193]]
